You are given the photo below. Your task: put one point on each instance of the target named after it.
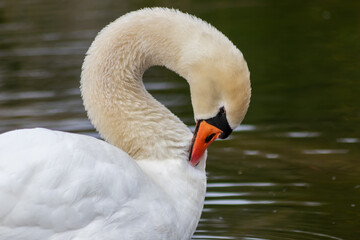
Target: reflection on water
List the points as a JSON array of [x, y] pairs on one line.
[[291, 171]]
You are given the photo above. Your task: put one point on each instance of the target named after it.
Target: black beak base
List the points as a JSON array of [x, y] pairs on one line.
[[221, 123]]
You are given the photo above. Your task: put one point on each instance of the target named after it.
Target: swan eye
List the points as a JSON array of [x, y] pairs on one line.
[[222, 110], [208, 138]]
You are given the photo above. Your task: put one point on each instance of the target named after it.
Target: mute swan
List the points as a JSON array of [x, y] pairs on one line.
[[147, 181]]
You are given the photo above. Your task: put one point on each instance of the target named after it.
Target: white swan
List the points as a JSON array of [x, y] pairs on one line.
[[56, 185]]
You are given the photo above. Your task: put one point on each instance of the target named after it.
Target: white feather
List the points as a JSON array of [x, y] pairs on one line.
[[78, 187]]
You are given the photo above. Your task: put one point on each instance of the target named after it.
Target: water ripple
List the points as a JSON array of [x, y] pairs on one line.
[[33, 52], [258, 184], [253, 238], [151, 86], [211, 237], [307, 233], [302, 134], [326, 151], [26, 95], [261, 202], [245, 127], [348, 140], [222, 194]]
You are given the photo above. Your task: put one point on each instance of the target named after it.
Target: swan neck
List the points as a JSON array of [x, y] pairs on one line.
[[115, 98]]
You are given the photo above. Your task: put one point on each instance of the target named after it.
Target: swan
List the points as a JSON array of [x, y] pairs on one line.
[[147, 179]]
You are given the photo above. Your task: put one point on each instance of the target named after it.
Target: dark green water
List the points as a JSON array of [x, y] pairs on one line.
[[292, 171]]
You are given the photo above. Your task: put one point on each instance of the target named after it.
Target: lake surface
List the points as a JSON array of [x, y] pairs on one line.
[[291, 171]]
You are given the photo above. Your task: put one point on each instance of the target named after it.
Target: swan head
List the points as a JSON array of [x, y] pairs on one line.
[[220, 93]]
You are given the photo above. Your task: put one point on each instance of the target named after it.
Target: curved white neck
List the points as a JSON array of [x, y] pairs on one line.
[[120, 108]]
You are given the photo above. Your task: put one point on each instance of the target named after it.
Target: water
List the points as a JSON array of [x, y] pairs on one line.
[[291, 171]]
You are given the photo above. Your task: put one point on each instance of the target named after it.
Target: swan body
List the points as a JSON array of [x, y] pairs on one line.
[[79, 187], [147, 181]]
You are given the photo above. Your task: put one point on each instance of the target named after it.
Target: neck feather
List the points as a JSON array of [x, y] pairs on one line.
[[119, 106]]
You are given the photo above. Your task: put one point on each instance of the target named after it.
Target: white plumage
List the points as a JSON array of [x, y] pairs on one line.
[[57, 185], [139, 184]]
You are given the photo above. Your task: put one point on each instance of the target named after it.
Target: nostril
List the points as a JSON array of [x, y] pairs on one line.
[[208, 138]]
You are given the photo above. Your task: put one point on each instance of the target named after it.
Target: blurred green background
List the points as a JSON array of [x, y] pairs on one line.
[[292, 171]]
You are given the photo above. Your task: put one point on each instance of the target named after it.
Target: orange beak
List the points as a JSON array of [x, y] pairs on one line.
[[204, 134]]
